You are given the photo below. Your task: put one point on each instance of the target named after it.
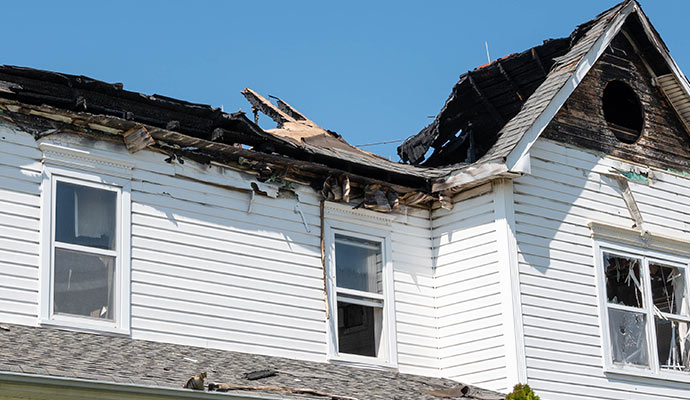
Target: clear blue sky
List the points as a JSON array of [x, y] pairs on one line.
[[371, 71]]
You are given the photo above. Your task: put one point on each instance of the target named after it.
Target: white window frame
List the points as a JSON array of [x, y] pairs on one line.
[[647, 249], [89, 173], [387, 355]]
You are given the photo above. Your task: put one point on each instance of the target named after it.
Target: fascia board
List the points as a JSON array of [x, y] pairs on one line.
[[34, 383]]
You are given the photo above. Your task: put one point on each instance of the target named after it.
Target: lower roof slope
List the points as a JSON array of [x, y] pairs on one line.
[[92, 357]]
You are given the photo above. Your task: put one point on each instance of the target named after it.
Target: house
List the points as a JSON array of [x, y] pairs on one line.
[[538, 233]]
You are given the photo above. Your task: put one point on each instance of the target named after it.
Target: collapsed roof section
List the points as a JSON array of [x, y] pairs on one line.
[[45, 103], [486, 99], [480, 104]]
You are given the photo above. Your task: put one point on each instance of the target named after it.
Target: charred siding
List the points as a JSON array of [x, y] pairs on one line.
[[664, 143]]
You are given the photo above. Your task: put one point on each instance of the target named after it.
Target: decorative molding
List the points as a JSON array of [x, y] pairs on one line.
[[639, 238], [345, 210], [85, 159]]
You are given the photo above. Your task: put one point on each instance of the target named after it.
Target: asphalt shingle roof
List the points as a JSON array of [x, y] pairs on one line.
[[60, 353]]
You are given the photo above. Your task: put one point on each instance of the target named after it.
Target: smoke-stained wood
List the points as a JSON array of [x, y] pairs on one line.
[[664, 143]]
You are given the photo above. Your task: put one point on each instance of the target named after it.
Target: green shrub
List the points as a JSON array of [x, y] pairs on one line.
[[522, 392]]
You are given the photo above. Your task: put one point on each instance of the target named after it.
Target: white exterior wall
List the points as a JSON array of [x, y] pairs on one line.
[[20, 213], [469, 299], [558, 286], [205, 272]]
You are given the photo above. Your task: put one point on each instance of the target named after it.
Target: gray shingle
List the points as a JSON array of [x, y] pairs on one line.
[[46, 351]]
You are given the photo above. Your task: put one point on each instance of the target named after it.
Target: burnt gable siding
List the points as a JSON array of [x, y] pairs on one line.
[[664, 143]]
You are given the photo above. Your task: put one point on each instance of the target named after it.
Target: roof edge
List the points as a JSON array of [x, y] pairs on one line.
[[135, 390]]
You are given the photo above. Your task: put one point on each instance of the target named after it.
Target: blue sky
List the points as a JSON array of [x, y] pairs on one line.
[[371, 71]]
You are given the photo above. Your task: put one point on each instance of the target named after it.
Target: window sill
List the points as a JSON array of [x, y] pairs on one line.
[[648, 374], [362, 362], [84, 327]]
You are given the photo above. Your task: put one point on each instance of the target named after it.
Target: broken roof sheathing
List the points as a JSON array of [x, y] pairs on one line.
[[53, 353]]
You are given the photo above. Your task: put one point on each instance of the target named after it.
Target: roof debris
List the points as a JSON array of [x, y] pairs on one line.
[[97, 357], [196, 382], [264, 373]]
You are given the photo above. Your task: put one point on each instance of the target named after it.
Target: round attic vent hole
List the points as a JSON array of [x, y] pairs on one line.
[[623, 111]]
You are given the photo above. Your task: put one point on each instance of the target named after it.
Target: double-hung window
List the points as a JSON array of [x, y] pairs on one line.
[[85, 271], [645, 309], [361, 328]]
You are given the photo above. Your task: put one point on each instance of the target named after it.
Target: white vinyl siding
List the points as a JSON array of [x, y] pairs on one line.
[[20, 212], [553, 206], [468, 290], [204, 271]]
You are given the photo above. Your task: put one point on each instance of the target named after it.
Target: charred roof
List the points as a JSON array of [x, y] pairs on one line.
[[486, 98]]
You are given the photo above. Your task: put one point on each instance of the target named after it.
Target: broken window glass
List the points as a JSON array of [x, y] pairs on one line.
[[673, 344], [668, 289], [83, 284], [628, 337], [358, 264], [623, 284], [85, 215]]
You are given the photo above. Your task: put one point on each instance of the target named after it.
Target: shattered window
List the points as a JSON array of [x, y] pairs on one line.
[[628, 337], [84, 257], [648, 312], [623, 280], [359, 287]]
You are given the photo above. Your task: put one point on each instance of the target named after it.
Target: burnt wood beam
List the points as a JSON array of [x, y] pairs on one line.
[[535, 57], [489, 107], [319, 166], [510, 81]]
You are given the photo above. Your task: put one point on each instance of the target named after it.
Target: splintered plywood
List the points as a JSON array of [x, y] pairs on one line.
[[137, 138]]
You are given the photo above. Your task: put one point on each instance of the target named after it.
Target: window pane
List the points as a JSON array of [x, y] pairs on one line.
[[623, 284], [85, 215], [83, 284], [359, 329], [358, 264], [673, 344], [628, 337], [668, 289]]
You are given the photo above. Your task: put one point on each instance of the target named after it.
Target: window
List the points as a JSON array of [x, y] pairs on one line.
[[623, 111], [85, 262], [645, 297], [361, 327]]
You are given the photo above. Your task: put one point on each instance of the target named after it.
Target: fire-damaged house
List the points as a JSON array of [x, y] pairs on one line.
[[537, 232]]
